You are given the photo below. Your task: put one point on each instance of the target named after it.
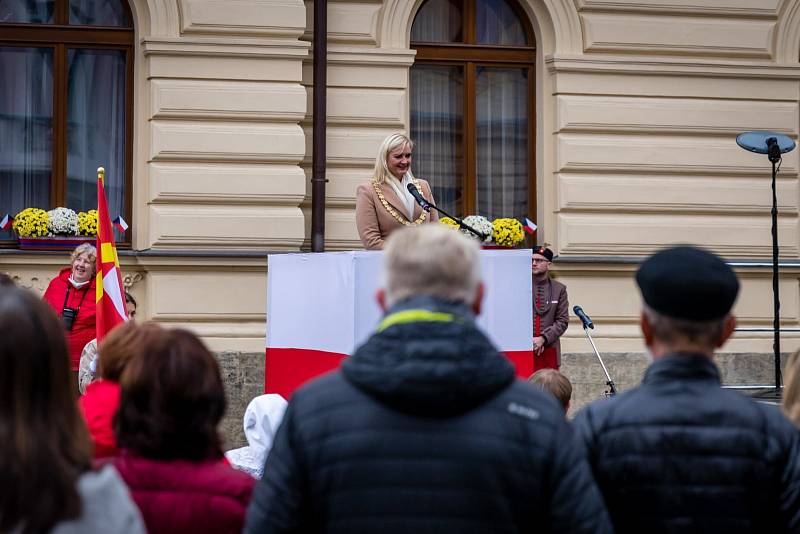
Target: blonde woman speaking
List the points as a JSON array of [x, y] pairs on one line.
[[384, 204]]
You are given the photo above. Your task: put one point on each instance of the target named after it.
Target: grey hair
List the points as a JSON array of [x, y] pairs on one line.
[[670, 330], [84, 248], [431, 260]]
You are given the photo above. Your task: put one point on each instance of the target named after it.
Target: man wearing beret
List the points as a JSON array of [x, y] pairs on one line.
[[550, 312], [679, 453]]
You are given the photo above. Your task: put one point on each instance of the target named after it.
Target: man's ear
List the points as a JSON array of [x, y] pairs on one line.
[[380, 297], [647, 330], [477, 303], [727, 330]]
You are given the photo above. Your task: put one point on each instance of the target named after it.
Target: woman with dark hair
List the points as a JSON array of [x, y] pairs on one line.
[[170, 451], [46, 479]]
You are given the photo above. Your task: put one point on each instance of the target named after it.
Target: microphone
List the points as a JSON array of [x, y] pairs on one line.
[[424, 204], [587, 323]]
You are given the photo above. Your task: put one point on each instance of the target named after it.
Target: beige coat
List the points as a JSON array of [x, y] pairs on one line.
[[374, 222]]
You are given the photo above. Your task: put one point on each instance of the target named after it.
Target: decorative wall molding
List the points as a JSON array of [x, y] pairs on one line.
[[760, 9], [705, 67], [225, 47], [664, 115], [228, 100], [640, 33], [130, 279], [283, 18]]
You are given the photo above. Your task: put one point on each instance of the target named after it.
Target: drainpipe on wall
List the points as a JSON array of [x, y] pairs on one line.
[[318, 150]]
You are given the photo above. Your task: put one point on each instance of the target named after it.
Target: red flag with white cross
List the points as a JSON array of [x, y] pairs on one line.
[[110, 295]]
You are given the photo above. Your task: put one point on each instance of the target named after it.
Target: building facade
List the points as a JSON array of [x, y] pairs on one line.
[[624, 116]]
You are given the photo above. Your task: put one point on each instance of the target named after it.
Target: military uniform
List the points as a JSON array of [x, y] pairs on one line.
[[550, 320]]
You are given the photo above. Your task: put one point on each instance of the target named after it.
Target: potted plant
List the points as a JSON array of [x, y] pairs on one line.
[[57, 229]]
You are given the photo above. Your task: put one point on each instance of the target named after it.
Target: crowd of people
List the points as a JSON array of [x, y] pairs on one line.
[[424, 428]]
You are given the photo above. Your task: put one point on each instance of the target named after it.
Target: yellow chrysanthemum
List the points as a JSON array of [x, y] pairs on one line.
[[87, 223], [447, 221], [507, 232], [31, 222]]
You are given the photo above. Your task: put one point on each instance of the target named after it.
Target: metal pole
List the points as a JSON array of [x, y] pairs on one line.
[[776, 320], [318, 154]]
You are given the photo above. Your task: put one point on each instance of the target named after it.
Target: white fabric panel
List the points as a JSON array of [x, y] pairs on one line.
[[327, 301], [310, 301]]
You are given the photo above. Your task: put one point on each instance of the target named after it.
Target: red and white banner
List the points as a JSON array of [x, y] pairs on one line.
[[320, 307], [110, 294]]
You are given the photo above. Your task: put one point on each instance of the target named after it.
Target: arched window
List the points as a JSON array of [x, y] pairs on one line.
[[472, 105], [66, 84]]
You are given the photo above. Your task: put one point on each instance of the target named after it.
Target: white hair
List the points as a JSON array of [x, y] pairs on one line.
[[671, 330], [396, 140], [432, 260]]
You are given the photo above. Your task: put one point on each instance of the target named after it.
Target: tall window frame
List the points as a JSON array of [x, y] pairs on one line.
[[61, 36], [467, 54]]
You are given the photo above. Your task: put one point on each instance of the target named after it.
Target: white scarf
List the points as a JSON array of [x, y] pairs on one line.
[[401, 188]]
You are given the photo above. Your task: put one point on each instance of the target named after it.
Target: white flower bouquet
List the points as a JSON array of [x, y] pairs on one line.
[[481, 224], [62, 221]]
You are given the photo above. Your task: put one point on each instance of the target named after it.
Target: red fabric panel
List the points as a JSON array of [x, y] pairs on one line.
[[523, 361], [287, 369]]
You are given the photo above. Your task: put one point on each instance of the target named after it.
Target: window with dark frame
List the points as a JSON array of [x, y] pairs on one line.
[[472, 106], [66, 106]]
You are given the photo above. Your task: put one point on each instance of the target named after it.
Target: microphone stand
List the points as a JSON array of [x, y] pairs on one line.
[[612, 388], [461, 224]]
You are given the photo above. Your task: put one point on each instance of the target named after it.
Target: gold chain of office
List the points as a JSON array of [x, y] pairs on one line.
[[393, 212]]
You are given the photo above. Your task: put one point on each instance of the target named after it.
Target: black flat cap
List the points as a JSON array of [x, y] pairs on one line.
[[688, 283], [544, 251]]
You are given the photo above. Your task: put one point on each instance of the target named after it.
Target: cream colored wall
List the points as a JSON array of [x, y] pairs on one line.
[[638, 104]]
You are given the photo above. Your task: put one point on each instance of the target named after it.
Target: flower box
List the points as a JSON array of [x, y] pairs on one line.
[[54, 243], [494, 246]]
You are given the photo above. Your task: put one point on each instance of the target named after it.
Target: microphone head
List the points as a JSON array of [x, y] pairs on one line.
[[576, 309]]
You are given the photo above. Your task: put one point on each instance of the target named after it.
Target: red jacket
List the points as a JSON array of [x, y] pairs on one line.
[[84, 328], [98, 405], [177, 497]]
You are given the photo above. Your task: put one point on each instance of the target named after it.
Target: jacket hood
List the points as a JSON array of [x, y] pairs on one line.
[[261, 421], [429, 358]]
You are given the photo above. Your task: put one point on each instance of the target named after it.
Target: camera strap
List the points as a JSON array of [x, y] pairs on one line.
[[80, 302]]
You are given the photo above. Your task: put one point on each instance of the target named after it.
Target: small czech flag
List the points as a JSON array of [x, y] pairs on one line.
[[529, 226], [120, 224], [6, 222]]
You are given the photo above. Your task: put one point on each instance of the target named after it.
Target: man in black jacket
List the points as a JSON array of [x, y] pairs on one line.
[[678, 453], [425, 429]]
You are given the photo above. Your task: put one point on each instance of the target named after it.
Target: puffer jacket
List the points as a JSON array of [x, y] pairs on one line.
[[425, 429], [183, 497], [681, 454]]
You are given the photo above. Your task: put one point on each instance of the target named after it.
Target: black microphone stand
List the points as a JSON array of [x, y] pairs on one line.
[[461, 224], [612, 388]]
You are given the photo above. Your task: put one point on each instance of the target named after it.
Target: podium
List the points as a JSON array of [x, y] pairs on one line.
[[321, 307]]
